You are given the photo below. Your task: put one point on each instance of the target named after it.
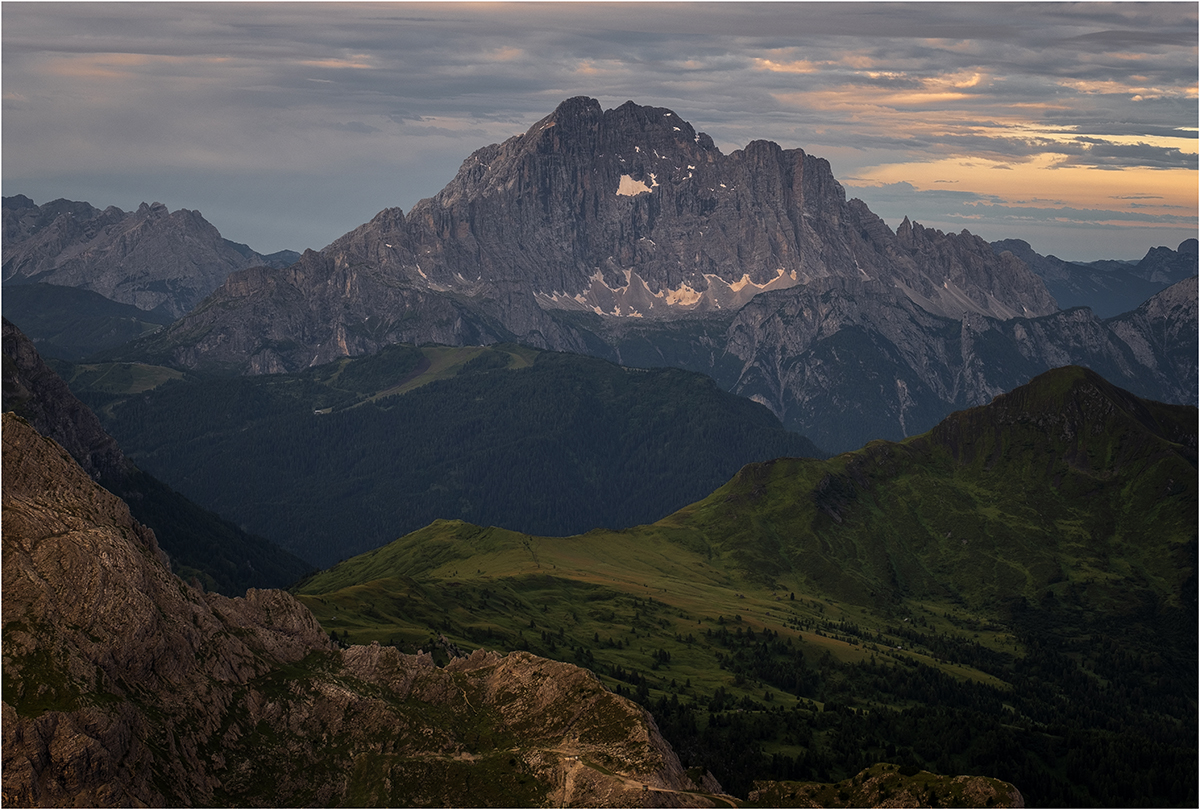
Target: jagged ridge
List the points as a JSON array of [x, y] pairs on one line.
[[624, 212]]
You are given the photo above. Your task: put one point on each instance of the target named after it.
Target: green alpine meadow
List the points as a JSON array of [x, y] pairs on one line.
[[1012, 593]]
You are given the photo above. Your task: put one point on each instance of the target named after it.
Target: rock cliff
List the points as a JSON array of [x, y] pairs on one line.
[[624, 213], [123, 686], [887, 785]]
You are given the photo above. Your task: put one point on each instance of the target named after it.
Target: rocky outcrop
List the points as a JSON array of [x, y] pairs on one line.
[[151, 258], [887, 785], [123, 686], [622, 213]]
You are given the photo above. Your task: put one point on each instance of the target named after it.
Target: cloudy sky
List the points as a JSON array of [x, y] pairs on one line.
[[287, 124]]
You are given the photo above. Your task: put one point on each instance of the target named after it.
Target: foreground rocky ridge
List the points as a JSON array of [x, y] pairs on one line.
[[124, 686]]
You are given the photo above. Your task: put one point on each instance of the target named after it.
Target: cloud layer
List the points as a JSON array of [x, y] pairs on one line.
[[289, 124]]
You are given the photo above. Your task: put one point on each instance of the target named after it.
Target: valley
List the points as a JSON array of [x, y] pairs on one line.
[[347, 456], [622, 471]]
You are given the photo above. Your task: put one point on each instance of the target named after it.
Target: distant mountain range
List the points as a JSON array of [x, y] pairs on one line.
[[627, 235], [157, 260], [623, 214], [1107, 287]]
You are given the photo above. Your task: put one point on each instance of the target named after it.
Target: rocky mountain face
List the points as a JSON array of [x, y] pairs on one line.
[[1162, 336], [151, 258], [626, 213], [123, 686], [846, 362], [200, 544], [1108, 287], [628, 235], [265, 321], [632, 212]]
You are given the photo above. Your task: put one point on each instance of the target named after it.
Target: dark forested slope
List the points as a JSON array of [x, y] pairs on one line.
[[201, 545], [333, 462]]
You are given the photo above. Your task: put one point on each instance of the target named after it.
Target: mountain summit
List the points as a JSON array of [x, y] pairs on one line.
[[631, 212], [624, 213]]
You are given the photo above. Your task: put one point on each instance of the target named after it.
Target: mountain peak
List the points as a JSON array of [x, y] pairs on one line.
[[577, 107], [149, 258], [1075, 413], [627, 213]]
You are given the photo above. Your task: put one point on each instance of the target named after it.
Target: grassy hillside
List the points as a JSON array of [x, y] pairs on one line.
[[1012, 593], [348, 456]]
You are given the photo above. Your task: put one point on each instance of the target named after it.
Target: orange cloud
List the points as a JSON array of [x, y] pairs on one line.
[[797, 66], [1042, 183], [358, 62]]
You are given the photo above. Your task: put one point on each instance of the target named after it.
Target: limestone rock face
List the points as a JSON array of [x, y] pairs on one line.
[[152, 258], [1162, 334], [622, 213], [123, 686]]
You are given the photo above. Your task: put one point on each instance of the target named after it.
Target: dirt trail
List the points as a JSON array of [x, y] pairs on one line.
[[574, 762]]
